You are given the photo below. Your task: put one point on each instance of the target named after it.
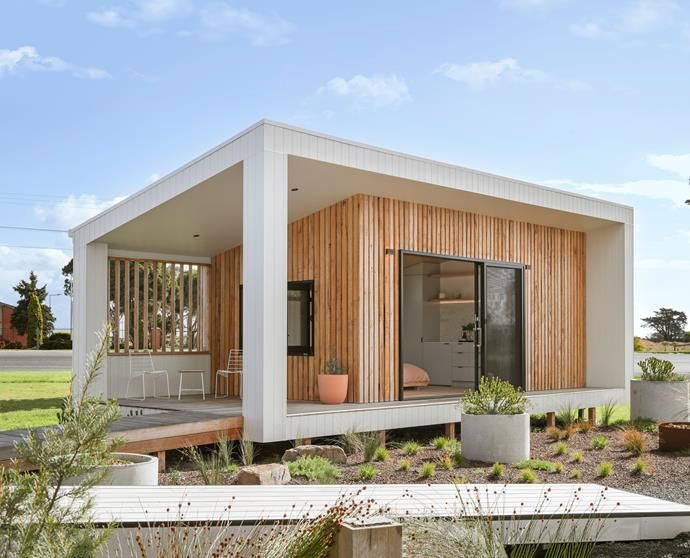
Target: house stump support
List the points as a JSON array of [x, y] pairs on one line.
[[592, 415], [375, 537], [550, 419], [161, 461], [382, 438], [305, 441], [450, 430]]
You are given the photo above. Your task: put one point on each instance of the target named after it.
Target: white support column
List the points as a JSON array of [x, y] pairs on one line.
[[90, 307], [264, 327]]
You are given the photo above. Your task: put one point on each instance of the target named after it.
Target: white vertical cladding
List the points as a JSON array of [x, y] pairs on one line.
[[264, 402], [90, 304], [609, 305]]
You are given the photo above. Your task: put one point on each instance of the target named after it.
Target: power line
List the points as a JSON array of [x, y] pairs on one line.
[[35, 247], [32, 229]]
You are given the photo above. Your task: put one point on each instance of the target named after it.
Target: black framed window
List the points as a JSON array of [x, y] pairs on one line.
[[300, 317]]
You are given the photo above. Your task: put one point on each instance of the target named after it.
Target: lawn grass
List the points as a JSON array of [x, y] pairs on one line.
[[30, 398]]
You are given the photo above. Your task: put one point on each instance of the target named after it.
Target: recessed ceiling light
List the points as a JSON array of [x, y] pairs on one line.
[[196, 236], [294, 189]]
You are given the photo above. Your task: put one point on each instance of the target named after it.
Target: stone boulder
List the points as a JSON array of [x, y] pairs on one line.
[[271, 473], [334, 454]]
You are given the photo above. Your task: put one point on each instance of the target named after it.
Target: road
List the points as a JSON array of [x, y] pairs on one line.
[[35, 360]]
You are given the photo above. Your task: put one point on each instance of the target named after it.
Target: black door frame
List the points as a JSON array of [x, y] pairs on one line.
[[480, 267]]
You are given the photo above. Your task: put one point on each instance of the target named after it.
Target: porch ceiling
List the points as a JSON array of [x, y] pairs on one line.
[[213, 209]]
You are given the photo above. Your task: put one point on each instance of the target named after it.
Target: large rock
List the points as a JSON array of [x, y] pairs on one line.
[[334, 454], [271, 473]]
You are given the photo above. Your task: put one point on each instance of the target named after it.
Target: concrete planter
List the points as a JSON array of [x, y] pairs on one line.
[[139, 470], [661, 401], [495, 438]]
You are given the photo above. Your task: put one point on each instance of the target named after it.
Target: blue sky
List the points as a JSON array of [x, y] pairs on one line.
[[97, 99]]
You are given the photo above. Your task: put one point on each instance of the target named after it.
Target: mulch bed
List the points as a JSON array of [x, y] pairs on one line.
[[662, 468]]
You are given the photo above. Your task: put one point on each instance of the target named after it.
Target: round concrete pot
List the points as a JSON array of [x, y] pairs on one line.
[[332, 388], [495, 438], [660, 401], [138, 470]]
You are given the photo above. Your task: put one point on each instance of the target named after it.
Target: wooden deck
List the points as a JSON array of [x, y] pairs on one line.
[[624, 516], [174, 427]]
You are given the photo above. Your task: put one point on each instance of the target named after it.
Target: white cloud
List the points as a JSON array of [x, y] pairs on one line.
[[676, 164], [589, 30], [27, 58], [377, 90], [109, 18], [530, 4], [220, 18], [73, 210], [648, 15], [675, 191], [162, 10], [479, 75]]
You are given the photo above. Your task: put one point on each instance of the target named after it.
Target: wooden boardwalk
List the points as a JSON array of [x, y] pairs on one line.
[[624, 516]]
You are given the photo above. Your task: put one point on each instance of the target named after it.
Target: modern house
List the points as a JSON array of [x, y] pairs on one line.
[[9, 335], [420, 277]]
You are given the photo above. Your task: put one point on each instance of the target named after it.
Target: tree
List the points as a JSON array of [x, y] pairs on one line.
[[20, 316], [668, 324], [35, 322], [67, 272]]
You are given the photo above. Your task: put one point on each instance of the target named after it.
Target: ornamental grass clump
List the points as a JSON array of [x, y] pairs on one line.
[[577, 457], [458, 458], [381, 454], [427, 470], [528, 476], [495, 397], [553, 433], [537, 465], [605, 469], [404, 464], [658, 370], [498, 471], [640, 467], [633, 441], [561, 448], [367, 471], [445, 462], [440, 443], [600, 442], [411, 448]]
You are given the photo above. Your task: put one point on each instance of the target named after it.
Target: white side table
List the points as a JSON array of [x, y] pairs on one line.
[[201, 389]]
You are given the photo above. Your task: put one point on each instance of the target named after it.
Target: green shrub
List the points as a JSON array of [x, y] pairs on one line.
[[381, 454], [607, 411], [440, 443], [640, 423], [458, 458], [316, 469], [411, 448], [495, 397], [577, 457], [498, 471], [367, 471], [558, 467], [445, 462], [404, 464], [638, 346], [605, 469], [57, 341], [528, 476], [576, 474], [462, 479], [600, 442], [640, 467], [427, 470], [536, 464], [657, 370], [561, 448]]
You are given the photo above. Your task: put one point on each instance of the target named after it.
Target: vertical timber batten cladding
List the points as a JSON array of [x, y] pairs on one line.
[[158, 306], [343, 249]]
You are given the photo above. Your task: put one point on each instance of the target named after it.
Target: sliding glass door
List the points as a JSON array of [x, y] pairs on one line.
[[499, 341]]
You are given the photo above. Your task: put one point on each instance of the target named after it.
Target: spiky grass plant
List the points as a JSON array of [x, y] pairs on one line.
[[411, 448], [605, 469], [498, 471], [576, 474], [558, 467], [536, 464], [606, 414], [314, 468], [640, 467], [577, 457], [584, 426], [381, 454], [404, 464], [440, 443], [351, 442], [367, 471], [371, 441], [599, 442], [247, 451], [48, 512], [528, 476], [458, 458], [445, 462], [566, 416], [633, 441], [553, 433], [427, 470], [214, 465], [561, 448]]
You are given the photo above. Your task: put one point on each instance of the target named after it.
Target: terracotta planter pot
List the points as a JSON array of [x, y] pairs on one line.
[[674, 436], [332, 388]]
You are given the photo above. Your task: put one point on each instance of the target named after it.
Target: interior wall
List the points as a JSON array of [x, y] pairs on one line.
[[351, 251]]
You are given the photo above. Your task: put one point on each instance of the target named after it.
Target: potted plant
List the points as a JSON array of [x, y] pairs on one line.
[[660, 393], [494, 423], [333, 382]]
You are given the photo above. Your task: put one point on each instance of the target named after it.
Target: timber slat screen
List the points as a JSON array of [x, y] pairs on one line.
[[157, 305]]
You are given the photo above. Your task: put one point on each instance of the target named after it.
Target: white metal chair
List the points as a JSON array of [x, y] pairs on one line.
[[234, 367], [141, 365]]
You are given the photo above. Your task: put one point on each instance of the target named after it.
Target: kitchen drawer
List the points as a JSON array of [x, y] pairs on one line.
[[463, 374], [462, 358]]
